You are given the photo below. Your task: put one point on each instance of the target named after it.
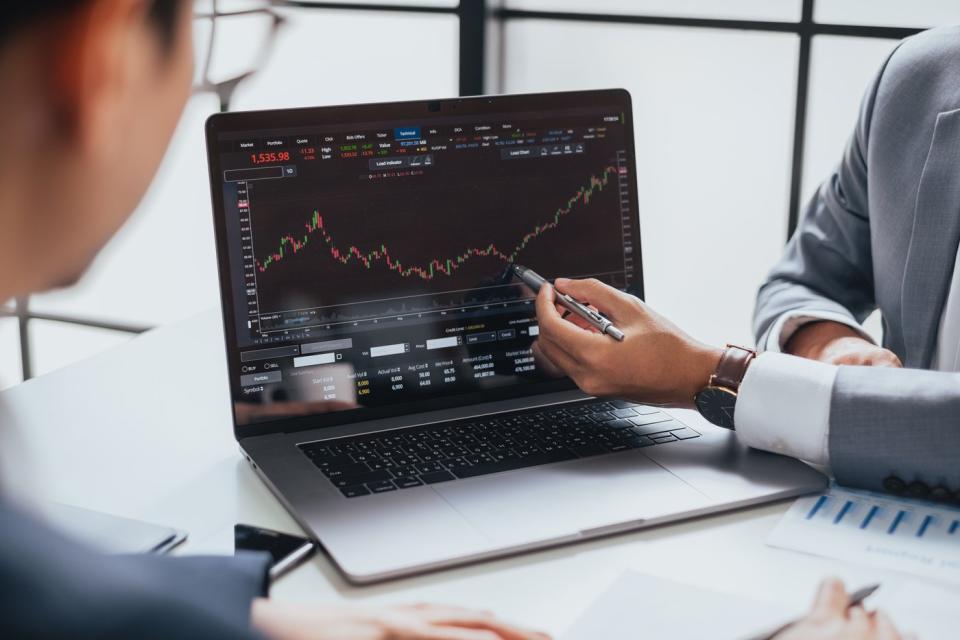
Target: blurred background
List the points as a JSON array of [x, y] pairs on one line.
[[741, 108]]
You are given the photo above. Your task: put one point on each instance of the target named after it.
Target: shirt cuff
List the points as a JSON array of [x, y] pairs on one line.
[[783, 406], [789, 323]]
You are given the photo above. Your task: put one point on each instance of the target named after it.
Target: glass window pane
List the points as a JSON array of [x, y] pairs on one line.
[[10, 373], [841, 69], [888, 13], [162, 264], [331, 57], [56, 344], [788, 10], [714, 119]]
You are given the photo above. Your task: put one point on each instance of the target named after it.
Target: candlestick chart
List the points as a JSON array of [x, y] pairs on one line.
[[404, 247]]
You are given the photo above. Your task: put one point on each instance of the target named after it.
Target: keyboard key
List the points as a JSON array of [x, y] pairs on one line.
[[620, 404], [660, 439], [619, 423], [351, 469], [650, 429], [624, 413], [591, 449], [650, 418], [315, 450], [685, 434], [332, 461], [362, 478], [454, 463], [428, 467], [381, 487], [602, 416], [635, 442], [407, 482], [643, 409], [509, 465], [354, 491], [437, 476]]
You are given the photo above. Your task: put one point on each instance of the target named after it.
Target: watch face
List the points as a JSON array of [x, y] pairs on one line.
[[717, 405]]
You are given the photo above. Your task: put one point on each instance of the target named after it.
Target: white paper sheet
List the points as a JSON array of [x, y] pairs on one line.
[[642, 606]]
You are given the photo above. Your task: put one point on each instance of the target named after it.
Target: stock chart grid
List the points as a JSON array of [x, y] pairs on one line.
[[363, 226]]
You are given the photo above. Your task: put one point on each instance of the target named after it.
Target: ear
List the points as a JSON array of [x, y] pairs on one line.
[[93, 59]]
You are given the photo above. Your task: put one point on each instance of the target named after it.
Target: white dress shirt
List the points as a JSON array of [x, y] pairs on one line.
[[784, 401]]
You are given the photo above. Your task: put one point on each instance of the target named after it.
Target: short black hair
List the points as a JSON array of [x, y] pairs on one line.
[[23, 13]]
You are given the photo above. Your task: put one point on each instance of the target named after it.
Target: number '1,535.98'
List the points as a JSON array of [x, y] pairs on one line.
[[271, 156]]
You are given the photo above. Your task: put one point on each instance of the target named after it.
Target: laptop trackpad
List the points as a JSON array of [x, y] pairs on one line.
[[566, 498]]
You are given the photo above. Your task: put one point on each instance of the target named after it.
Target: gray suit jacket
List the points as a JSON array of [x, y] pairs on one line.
[[882, 232], [53, 587]]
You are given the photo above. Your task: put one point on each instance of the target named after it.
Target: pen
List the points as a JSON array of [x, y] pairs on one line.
[[534, 280], [856, 598]]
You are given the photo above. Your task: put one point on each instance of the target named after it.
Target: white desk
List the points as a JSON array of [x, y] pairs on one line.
[[144, 431]]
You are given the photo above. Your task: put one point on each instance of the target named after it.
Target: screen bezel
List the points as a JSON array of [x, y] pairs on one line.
[[416, 111]]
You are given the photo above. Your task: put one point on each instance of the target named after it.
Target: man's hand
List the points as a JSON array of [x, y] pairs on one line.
[[836, 343], [346, 622], [656, 363], [831, 619]]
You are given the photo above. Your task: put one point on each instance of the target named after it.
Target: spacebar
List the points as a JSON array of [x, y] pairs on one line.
[[508, 465]]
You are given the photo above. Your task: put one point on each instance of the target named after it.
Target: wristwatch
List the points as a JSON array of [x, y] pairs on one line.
[[718, 400]]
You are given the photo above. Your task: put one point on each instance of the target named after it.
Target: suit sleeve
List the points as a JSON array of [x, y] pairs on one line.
[[826, 270], [53, 587], [896, 427]]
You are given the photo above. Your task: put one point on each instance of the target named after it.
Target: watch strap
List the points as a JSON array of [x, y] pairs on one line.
[[732, 367]]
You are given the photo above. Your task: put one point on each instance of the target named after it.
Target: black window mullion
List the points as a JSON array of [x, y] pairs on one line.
[[23, 321], [800, 116], [473, 46]]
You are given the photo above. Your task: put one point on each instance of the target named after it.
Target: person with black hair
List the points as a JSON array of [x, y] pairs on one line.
[[90, 92]]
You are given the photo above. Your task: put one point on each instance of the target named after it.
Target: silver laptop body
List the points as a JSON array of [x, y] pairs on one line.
[[379, 359]]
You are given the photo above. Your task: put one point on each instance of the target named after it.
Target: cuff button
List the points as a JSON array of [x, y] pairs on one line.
[[894, 485], [917, 489], [940, 493]]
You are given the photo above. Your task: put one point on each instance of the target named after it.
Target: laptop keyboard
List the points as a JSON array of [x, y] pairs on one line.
[[442, 452]]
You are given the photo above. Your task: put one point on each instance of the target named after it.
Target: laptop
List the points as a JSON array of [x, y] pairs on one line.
[[379, 355]]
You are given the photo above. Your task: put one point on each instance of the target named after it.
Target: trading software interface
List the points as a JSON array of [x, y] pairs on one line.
[[368, 263]]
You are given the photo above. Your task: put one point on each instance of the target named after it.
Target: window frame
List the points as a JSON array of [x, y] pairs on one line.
[[481, 23]]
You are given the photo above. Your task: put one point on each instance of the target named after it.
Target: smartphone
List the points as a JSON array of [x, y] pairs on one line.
[[286, 551]]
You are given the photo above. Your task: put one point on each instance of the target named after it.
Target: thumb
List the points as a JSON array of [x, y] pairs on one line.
[[831, 600], [611, 302]]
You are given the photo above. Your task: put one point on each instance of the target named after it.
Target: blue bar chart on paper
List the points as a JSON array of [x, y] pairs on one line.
[[867, 528]]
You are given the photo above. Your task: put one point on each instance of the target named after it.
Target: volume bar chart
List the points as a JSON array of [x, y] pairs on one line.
[[867, 528]]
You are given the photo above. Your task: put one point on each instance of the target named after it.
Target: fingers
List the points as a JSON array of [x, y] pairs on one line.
[[451, 633], [455, 623], [859, 623], [500, 630], [569, 316], [888, 359], [609, 301], [831, 600], [546, 365], [556, 330], [554, 355], [884, 627]]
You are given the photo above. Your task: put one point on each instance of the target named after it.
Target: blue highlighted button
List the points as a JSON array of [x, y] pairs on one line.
[[406, 133]]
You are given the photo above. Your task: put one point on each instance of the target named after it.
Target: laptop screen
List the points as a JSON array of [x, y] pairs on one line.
[[363, 250]]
